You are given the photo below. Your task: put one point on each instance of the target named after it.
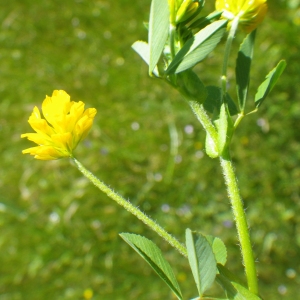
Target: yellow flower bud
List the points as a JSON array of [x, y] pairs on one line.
[[64, 125], [249, 12], [186, 10]]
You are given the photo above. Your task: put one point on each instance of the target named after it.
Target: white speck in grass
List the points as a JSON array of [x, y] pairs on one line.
[[96, 12], [178, 159], [54, 218], [163, 147], [96, 224], [184, 210], [2, 207], [158, 177], [87, 143], [105, 58], [16, 54], [199, 154], [104, 79], [70, 293], [120, 61], [104, 151], [135, 126], [70, 212], [263, 124], [290, 273], [75, 22], [108, 261], [228, 223], [132, 24], [81, 34], [282, 289], [43, 183], [165, 208], [107, 34], [189, 129]]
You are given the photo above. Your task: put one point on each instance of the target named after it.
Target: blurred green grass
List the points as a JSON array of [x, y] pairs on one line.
[[59, 235]]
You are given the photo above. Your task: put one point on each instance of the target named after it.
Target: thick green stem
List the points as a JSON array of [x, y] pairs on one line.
[[241, 223], [232, 186], [131, 208]]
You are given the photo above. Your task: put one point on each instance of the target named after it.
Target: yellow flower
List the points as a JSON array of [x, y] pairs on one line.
[[250, 12], [64, 125], [88, 294], [187, 9]]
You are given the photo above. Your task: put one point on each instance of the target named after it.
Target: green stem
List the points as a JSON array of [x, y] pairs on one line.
[[232, 186], [241, 222], [172, 32], [238, 119], [204, 119], [132, 209], [233, 28]]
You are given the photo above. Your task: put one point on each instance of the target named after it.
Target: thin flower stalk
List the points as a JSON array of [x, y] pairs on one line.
[[131, 208]]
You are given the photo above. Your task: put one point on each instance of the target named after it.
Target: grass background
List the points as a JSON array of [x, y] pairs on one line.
[[59, 235]]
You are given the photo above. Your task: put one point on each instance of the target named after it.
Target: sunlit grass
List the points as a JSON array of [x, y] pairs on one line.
[[59, 235]]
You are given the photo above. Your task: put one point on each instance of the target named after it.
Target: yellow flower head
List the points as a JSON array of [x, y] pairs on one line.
[[64, 125], [187, 9], [250, 12], [181, 10]]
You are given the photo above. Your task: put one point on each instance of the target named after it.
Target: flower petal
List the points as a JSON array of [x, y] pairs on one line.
[[250, 12], [64, 125]]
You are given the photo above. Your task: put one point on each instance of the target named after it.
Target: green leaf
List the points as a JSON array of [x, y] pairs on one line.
[[143, 50], [222, 120], [158, 30], [213, 101], [265, 88], [225, 128], [198, 47], [234, 289], [245, 292], [211, 148], [204, 21], [233, 110], [208, 298], [219, 249], [242, 70], [191, 86], [222, 127], [153, 256], [201, 259]]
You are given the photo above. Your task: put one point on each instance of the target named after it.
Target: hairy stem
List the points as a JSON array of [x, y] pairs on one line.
[[241, 223], [131, 208], [204, 119]]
